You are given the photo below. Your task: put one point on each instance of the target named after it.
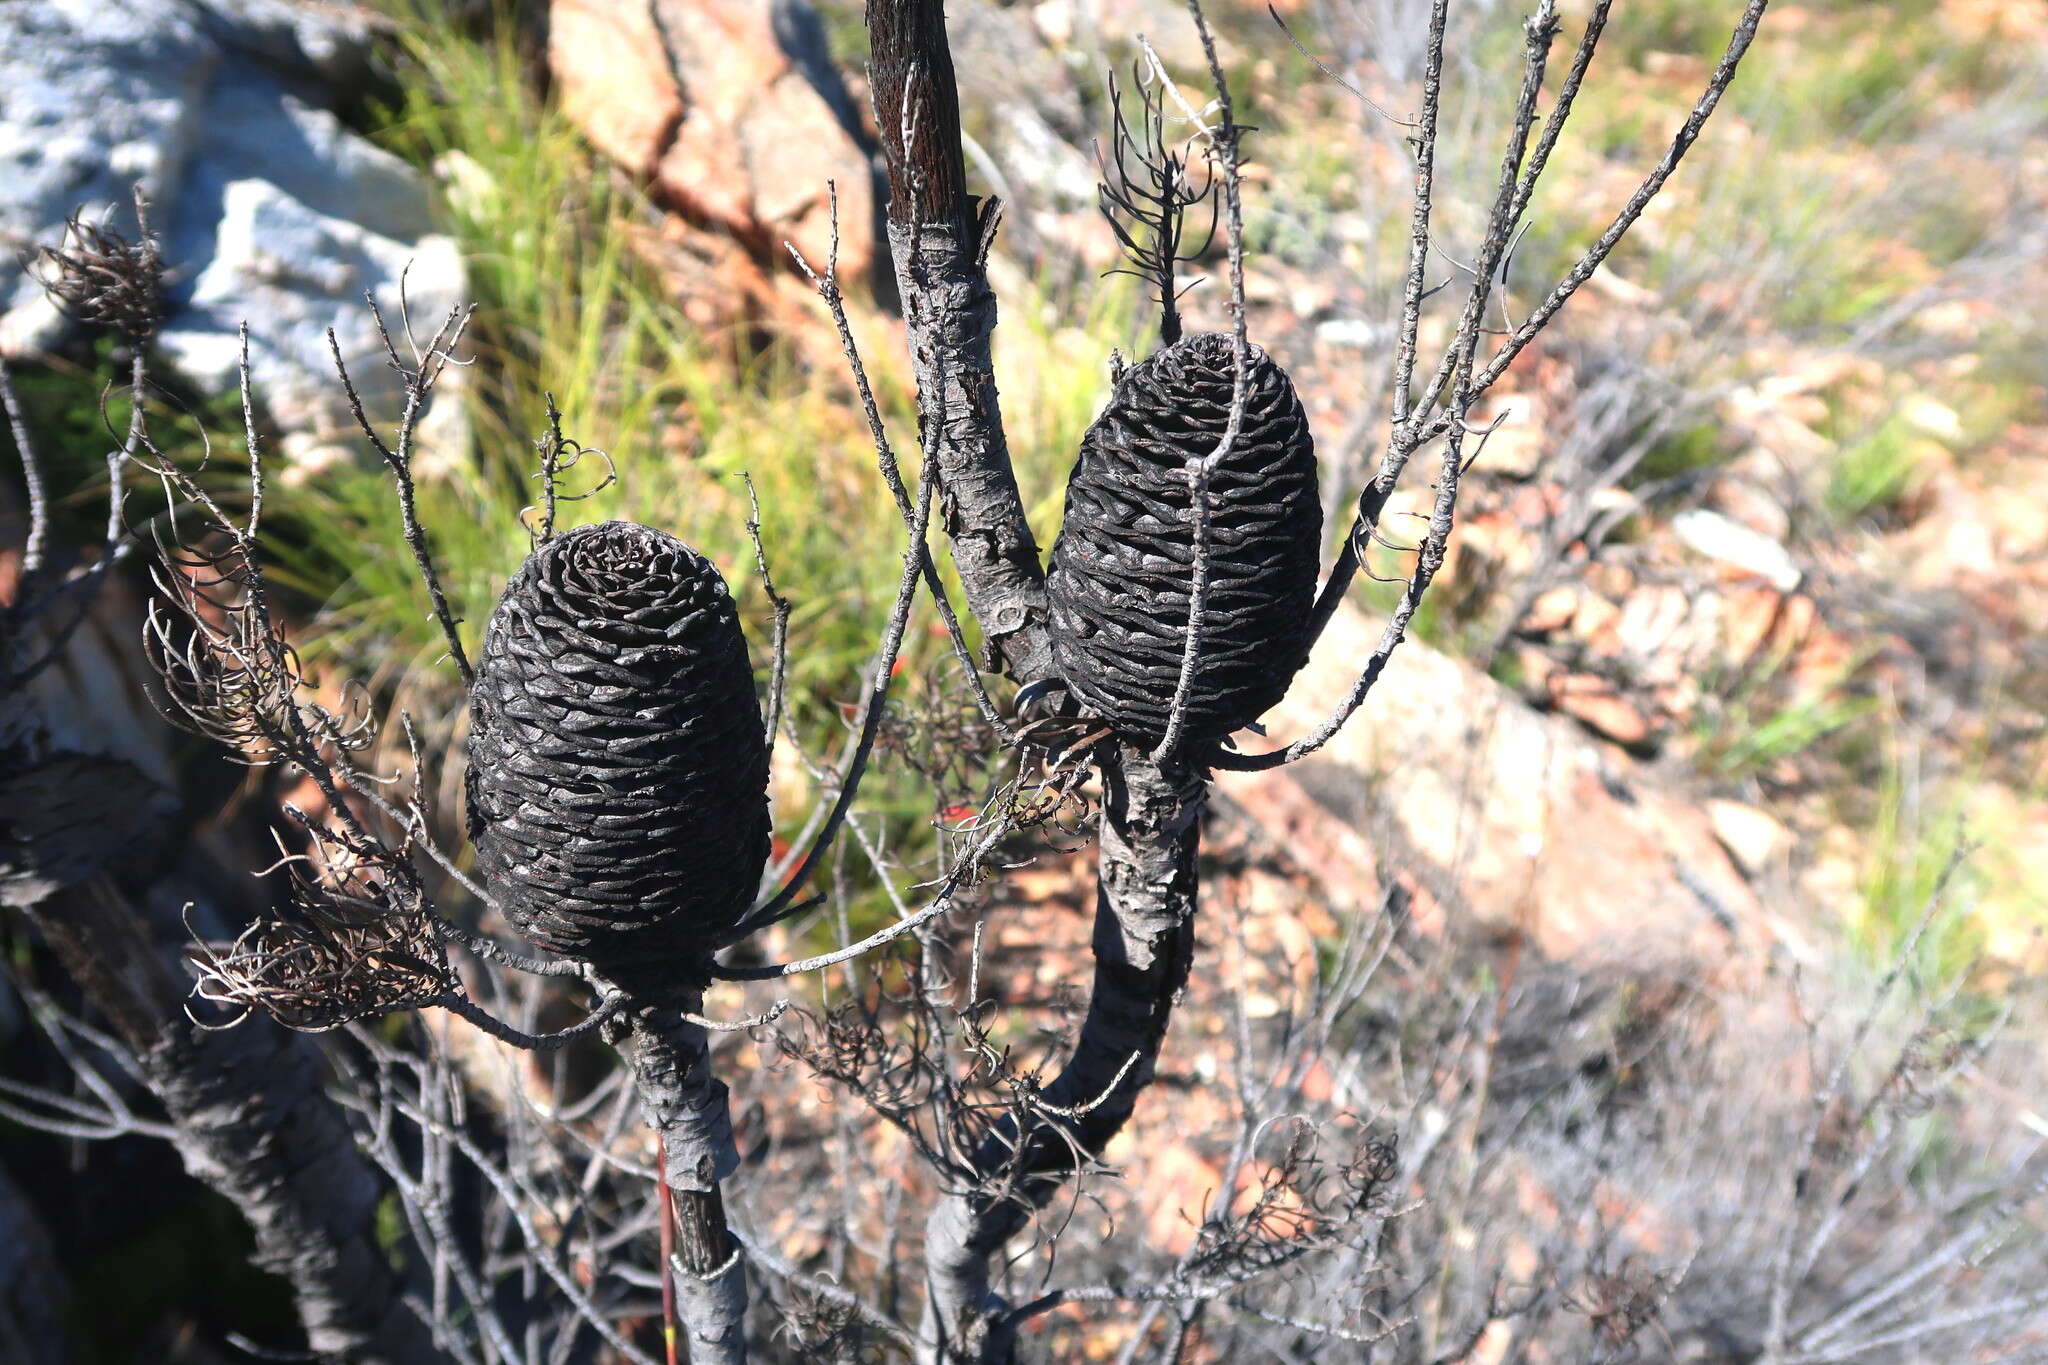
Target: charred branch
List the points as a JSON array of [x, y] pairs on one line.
[[251, 1118], [939, 237]]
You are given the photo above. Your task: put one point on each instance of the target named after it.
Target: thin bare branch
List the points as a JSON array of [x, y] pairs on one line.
[[419, 382], [1223, 141], [827, 286]]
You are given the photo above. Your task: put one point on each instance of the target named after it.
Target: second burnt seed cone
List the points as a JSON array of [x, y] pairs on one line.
[[618, 774], [1123, 567]]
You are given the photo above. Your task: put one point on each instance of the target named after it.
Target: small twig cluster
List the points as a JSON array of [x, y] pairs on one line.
[[102, 279], [105, 280], [1146, 190], [1180, 488]]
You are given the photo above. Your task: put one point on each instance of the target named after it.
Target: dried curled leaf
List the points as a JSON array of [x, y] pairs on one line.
[[102, 279], [618, 773], [1122, 569], [313, 979], [356, 941]]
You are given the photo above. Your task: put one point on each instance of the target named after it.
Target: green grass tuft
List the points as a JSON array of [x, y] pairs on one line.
[[1873, 473]]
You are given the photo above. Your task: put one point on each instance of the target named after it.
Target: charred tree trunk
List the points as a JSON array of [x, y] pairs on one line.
[[1144, 941], [1146, 892], [939, 237], [33, 1292], [686, 1105], [254, 1123]]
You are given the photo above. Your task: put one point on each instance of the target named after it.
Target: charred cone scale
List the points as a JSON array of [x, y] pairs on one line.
[[1122, 570], [618, 773]]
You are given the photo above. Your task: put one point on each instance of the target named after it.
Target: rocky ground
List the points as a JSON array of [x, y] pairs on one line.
[[1733, 652], [1772, 566], [1738, 641]]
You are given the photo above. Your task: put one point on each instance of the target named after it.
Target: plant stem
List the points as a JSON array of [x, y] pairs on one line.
[[939, 237], [1143, 944], [255, 1123], [686, 1106]]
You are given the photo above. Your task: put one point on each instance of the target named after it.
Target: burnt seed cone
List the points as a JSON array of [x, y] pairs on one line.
[[618, 774], [1123, 567]]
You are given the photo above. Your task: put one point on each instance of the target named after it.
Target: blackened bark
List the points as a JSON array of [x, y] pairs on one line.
[[686, 1105], [939, 241], [911, 69], [254, 1123], [1146, 893], [1144, 941]]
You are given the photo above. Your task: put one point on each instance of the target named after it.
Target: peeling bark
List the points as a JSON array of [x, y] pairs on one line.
[[939, 237], [1145, 903], [254, 1124], [686, 1105]]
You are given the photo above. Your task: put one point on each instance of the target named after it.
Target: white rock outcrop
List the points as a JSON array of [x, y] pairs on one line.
[[270, 210]]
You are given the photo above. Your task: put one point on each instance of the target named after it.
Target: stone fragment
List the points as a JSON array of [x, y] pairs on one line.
[[1512, 818], [1552, 610], [1756, 839], [1724, 539], [1593, 702], [731, 110]]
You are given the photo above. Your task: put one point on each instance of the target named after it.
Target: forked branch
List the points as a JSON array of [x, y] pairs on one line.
[[939, 237]]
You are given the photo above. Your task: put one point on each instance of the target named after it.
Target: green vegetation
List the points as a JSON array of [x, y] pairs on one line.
[[1746, 740], [77, 411], [567, 307], [1681, 452], [1819, 233], [1874, 472], [1913, 854], [1808, 237], [1765, 716]]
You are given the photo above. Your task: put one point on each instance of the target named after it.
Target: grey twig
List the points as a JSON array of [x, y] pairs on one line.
[[828, 289], [419, 381], [1459, 376], [1223, 141]]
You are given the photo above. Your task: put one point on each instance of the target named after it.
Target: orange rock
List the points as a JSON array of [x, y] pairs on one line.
[[1801, 618], [1650, 625], [747, 144], [1514, 819], [1678, 699], [1609, 580], [1338, 857], [1318, 1084], [1537, 670], [1552, 610], [1185, 1185], [1595, 623], [612, 80], [1824, 661], [1517, 446], [1592, 701], [1749, 616], [2013, 19], [1537, 504]]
